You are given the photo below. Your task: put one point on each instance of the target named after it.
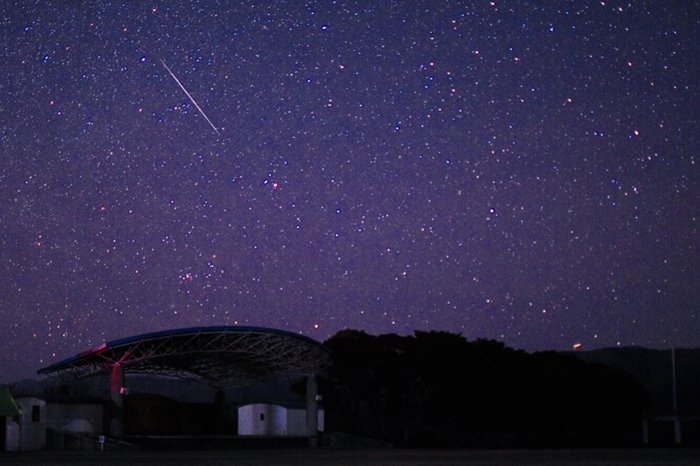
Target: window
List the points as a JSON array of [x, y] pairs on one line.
[[262, 416], [36, 413]]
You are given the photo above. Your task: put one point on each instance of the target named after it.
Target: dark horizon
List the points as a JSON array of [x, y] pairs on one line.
[[35, 374], [403, 391]]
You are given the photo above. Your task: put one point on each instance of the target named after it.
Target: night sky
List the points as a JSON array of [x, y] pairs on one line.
[[520, 170]]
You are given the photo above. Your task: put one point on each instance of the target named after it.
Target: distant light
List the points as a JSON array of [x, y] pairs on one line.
[[577, 345]]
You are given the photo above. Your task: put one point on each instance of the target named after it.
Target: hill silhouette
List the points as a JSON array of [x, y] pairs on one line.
[[651, 368]]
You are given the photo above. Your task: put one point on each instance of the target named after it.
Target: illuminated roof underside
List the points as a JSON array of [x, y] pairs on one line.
[[220, 355]]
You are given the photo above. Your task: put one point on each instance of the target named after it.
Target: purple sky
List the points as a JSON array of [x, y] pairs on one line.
[[525, 171]]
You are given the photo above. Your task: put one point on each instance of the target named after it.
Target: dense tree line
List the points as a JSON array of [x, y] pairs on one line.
[[436, 389]]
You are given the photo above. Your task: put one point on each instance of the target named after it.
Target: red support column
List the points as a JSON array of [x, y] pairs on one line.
[[116, 426]]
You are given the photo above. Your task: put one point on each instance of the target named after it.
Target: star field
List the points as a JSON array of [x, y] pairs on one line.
[[525, 171]]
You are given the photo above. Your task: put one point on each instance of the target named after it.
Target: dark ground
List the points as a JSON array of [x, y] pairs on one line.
[[365, 458]]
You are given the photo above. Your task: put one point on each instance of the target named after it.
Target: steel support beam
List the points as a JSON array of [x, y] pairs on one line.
[[312, 410]]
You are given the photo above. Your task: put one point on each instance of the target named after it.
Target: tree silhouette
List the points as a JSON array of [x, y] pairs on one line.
[[436, 389]]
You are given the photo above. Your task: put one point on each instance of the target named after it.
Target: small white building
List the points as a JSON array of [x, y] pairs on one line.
[[27, 431], [264, 419]]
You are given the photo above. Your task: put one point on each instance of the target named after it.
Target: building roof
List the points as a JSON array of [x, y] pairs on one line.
[[220, 355]]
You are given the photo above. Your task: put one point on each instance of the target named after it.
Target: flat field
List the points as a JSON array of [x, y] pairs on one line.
[[301, 457]]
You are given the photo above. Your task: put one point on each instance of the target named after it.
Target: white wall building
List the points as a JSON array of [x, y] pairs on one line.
[[28, 430], [272, 420]]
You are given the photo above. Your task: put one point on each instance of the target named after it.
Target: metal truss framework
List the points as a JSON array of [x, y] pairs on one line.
[[216, 355]]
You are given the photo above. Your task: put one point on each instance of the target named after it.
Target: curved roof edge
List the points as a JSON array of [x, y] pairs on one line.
[[180, 331]]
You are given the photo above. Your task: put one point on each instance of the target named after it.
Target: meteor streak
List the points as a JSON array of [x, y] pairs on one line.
[[190, 97]]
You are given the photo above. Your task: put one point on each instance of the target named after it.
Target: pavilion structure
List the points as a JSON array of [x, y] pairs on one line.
[[219, 356]]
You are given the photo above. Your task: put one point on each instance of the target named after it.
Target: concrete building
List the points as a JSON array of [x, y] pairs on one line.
[[39, 421], [27, 430], [263, 419]]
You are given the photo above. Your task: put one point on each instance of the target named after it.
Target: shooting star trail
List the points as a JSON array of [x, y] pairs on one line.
[[190, 97]]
